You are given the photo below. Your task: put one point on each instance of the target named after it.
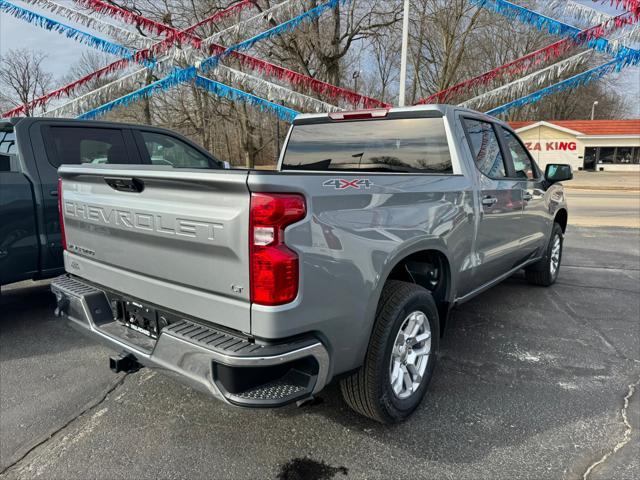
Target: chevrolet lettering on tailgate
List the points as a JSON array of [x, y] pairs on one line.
[[129, 219]]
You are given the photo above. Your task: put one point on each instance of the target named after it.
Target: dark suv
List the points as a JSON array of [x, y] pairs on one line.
[[32, 149]]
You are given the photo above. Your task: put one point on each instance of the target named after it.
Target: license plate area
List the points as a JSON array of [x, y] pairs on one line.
[[140, 317]]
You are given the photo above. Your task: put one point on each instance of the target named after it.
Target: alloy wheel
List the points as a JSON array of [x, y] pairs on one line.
[[410, 355]]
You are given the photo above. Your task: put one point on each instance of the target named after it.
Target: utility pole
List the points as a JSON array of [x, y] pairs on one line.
[[281, 102], [405, 51]]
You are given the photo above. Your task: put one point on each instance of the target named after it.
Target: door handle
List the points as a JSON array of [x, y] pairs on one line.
[[489, 201], [527, 196], [53, 193], [133, 185]]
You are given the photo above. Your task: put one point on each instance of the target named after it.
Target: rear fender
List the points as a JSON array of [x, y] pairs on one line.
[[408, 249]]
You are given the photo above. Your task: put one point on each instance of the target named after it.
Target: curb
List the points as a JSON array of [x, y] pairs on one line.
[[603, 188]]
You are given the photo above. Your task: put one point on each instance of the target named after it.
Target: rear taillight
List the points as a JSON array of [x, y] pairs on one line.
[[274, 267], [63, 237]]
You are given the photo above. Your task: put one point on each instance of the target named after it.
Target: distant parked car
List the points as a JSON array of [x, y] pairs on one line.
[[32, 149]]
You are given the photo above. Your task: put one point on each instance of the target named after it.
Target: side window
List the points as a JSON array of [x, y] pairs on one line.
[[167, 150], [8, 140], [75, 145], [486, 148], [522, 163]]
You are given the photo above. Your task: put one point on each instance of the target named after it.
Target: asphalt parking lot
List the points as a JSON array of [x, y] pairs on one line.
[[532, 383]]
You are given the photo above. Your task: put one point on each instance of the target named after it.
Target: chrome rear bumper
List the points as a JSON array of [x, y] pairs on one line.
[[210, 360]]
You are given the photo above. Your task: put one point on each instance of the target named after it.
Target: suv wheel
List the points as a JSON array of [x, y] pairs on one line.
[[545, 272], [401, 356]]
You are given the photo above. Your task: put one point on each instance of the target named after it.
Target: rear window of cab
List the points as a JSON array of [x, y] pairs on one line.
[[406, 145]]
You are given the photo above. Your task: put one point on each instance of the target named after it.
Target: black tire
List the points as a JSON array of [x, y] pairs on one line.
[[368, 391], [540, 273]]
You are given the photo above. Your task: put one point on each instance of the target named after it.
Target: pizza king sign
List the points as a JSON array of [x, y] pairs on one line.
[[552, 146]]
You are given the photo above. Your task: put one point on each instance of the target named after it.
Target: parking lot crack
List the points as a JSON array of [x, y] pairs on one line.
[[628, 429], [562, 305], [93, 406]]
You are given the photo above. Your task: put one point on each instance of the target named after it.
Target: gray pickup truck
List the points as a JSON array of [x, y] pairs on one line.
[[262, 287]]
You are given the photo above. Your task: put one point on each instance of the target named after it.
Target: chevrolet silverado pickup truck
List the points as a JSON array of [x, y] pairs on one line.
[[262, 287], [32, 149]]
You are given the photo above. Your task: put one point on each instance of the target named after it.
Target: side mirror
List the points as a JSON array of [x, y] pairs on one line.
[[557, 172]]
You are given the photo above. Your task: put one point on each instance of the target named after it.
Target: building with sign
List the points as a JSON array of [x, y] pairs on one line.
[[596, 145]]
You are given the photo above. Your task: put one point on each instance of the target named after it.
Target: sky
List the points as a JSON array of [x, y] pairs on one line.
[[63, 52]]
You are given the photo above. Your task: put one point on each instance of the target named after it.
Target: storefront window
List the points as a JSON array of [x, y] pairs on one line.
[[607, 154], [615, 155], [624, 155]]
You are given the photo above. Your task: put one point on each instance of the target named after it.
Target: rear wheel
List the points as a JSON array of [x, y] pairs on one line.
[[401, 356], [545, 272]]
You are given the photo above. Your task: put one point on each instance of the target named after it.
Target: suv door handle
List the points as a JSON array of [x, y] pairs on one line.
[[489, 201], [133, 185], [527, 196]]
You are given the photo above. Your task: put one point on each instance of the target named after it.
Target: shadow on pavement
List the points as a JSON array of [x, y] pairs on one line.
[[27, 312]]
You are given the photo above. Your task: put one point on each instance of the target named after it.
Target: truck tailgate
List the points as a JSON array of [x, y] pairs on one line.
[[178, 239]]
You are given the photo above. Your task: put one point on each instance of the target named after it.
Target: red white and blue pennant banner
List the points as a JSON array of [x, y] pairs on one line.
[[267, 68], [138, 20], [67, 30], [576, 81], [183, 75], [132, 38], [526, 84], [140, 56], [592, 38], [632, 6]]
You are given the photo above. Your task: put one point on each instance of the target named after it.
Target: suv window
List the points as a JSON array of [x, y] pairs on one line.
[[74, 145], [396, 145], [522, 162], [485, 148], [166, 150], [7, 140]]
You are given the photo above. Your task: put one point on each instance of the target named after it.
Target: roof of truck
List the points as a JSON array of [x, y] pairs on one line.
[[16, 120], [444, 109]]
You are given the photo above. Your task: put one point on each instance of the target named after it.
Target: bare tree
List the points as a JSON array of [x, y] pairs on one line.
[[385, 64], [89, 62], [575, 105], [319, 48], [442, 33], [450, 41], [22, 77]]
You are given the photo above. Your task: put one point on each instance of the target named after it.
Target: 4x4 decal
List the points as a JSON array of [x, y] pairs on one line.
[[343, 184]]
